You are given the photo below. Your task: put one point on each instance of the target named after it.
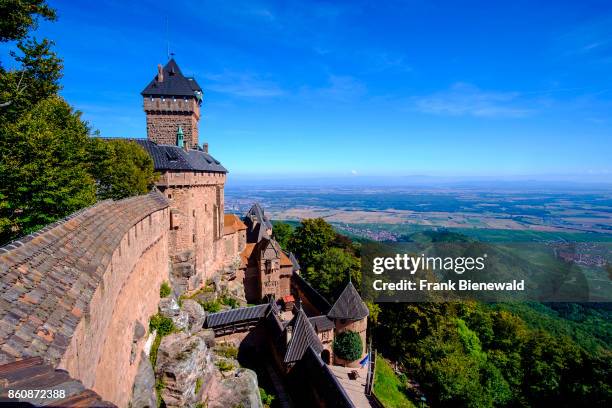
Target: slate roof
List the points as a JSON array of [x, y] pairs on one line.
[[238, 315], [168, 157], [33, 373], [321, 323], [174, 83], [315, 298], [48, 278], [257, 223], [294, 261], [303, 336], [349, 305]]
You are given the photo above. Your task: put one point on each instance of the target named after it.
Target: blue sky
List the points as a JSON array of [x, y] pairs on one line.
[[360, 89]]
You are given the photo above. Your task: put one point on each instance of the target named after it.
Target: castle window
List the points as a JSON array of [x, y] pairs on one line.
[[193, 213], [193, 237], [169, 195]]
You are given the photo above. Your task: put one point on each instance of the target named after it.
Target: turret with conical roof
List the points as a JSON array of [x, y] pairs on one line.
[[172, 100], [350, 313]]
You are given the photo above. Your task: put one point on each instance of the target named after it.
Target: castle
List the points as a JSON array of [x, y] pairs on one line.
[[76, 292]]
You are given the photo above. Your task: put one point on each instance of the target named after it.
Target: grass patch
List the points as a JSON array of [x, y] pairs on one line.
[[224, 366], [198, 385], [227, 351], [159, 386], [164, 326], [388, 387]]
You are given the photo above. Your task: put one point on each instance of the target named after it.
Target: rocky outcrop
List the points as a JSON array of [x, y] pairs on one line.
[[183, 273], [183, 362], [238, 388], [196, 315], [143, 394], [169, 307], [139, 333]]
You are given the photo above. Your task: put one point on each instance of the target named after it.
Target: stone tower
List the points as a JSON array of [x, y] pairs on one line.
[[172, 101]]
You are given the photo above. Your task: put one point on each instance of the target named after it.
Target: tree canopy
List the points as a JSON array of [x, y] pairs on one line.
[[282, 233], [21, 16], [50, 167], [328, 259]]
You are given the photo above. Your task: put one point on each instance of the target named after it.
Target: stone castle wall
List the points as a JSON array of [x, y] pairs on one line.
[[196, 221], [104, 352], [165, 115], [75, 292]]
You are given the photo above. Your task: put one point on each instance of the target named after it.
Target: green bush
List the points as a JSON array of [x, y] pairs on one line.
[[266, 399], [211, 307], [229, 301], [164, 290], [348, 346], [162, 324]]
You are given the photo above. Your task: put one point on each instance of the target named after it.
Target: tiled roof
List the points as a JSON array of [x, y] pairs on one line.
[[284, 259], [169, 157], [240, 314], [302, 337], [33, 373], [245, 255], [349, 305], [321, 323], [232, 224], [174, 83], [48, 278]]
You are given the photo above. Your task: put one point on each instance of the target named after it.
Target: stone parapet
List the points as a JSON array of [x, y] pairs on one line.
[[72, 291]]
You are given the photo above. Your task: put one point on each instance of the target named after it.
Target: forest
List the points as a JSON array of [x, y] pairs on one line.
[[472, 354]]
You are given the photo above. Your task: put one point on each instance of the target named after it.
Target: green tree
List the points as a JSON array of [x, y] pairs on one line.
[[121, 168], [44, 169], [331, 270], [310, 239], [21, 16], [282, 233], [49, 167], [348, 346]]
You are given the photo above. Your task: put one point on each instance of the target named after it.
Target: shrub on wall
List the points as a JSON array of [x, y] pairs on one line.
[[347, 345], [162, 324], [164, 290]]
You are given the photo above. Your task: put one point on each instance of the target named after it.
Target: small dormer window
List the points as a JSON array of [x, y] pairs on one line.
[[268, 266]]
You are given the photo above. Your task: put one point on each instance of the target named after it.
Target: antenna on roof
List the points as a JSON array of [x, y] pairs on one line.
[[167, 40]]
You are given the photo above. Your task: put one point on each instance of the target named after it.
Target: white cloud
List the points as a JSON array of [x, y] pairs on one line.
[[244, 85], [464, 99]]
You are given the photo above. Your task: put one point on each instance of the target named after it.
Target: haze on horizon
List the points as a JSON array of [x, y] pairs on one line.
[[353, 90]]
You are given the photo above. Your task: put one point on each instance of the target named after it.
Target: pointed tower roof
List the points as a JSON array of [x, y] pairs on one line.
[[172, 82], [349, 305], [257, 223], [302, 337]]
